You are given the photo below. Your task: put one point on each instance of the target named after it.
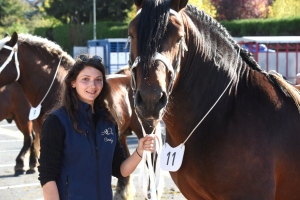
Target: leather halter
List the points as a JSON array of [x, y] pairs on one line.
[[14, 50], [159, 57]]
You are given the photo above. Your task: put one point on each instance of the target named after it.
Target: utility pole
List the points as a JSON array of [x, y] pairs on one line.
[[94, 6]]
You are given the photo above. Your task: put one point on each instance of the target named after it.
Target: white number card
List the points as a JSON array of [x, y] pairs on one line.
[[171, 158], [35, 112]]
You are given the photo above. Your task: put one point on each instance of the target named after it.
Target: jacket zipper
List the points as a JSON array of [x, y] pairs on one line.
[[97, 159], [97, 165], [67, 188], [93, 126], [87, 135]]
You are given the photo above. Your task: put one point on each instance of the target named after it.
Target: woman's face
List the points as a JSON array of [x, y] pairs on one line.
[[88, 84]]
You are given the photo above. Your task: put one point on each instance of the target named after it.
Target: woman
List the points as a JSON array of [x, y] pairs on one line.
[[79, 145]]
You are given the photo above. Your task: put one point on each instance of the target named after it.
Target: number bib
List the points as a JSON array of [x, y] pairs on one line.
[[171, 158], [35, 112]]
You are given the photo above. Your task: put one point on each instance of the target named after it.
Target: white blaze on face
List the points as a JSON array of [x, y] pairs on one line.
[[3, 42]]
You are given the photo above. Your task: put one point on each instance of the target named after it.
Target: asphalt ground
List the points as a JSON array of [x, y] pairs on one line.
[[27, 186]]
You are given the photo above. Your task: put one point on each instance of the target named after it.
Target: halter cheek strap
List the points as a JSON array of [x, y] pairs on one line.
[[14, 50], [158, 56]]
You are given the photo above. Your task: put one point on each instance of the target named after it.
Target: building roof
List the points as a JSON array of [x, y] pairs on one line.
[[268, 39]]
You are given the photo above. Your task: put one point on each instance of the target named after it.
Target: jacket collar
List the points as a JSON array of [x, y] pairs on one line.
[[87, 108]]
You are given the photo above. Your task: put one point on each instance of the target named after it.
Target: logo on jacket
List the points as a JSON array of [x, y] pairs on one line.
[[108, 131]]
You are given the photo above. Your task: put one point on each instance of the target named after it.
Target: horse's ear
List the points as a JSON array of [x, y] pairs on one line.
[[138, 3], [177, 5], [14, 38], [6, 35]]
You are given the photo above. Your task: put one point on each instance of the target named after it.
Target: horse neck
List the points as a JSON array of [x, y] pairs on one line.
[[37, 70], [201, 82]]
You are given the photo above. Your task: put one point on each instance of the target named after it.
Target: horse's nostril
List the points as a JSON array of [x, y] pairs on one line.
[[138, 98], [163, 100]]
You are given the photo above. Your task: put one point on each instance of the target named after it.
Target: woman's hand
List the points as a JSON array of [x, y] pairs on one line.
[[146, 143], [129, 165]]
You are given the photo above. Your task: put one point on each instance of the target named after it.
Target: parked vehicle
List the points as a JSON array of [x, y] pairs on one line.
[[262, 48]]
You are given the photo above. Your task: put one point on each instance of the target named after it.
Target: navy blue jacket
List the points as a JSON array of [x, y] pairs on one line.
[[88, 157]]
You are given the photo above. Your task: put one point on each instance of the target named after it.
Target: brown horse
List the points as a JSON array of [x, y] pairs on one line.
[[126, 118], [239, 125], [39, 58], [15, 106]]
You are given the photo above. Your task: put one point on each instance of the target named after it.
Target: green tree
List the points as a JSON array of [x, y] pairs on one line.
[[285, 8], [17, 15], [80, 12], [241, 9], [113, 10], [12, 16], [206, 6], [201, 4]]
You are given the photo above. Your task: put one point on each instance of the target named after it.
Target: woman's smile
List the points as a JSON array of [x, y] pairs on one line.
[[88, 84]]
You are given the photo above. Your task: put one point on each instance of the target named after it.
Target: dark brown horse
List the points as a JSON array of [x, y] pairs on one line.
[[39, 58], [37, 65], [125, 116], [239, 125], [15, 106]]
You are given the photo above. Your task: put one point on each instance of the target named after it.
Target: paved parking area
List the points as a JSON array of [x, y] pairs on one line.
[[27, 187]]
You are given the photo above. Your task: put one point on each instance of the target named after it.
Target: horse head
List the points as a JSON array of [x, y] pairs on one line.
[[9, 71], [157, 39]]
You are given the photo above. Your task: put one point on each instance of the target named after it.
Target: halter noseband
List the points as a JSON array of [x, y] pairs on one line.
[[14, 50], [158, 56]]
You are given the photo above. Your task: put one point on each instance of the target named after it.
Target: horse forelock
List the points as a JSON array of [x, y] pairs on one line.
[[45, 45], [152, 25]]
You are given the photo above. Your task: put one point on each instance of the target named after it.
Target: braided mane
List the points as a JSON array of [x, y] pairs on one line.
[[209, 24], [46, 45]]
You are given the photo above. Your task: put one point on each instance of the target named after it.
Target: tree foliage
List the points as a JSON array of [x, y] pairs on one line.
[[12, 16], [201, 4], [80, 12], [206, 6], [285, 8], [19, 16], [241, 9]]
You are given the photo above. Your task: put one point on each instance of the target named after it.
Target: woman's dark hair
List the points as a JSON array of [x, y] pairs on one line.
[[68, 95]]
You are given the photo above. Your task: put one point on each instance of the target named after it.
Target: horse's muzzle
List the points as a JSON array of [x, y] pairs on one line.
[[151, 105]]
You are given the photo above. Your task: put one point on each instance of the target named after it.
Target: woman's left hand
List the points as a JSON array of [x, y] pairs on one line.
[[146, 143]]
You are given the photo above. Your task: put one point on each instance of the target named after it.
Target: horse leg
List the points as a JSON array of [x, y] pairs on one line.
[[20, 167], [125, 189], [33, 159], [25, 127]]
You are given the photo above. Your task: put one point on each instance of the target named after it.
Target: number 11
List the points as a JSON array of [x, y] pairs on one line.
[[174, 154]]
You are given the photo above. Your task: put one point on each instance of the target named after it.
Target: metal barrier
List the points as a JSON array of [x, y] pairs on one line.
[[112, 51], [280, 53]]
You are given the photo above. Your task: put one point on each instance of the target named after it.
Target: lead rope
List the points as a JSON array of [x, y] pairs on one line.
[[35, 111], [52, 81], [147, 172]]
